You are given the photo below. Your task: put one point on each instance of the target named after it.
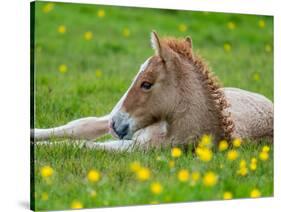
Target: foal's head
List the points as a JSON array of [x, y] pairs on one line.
[[153, 95]]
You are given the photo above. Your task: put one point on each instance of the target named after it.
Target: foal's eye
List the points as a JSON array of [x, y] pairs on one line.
[[146, 85]]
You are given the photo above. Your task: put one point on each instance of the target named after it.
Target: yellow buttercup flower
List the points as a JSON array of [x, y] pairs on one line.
[[231, 25], [143, 174], [223, 145], [227, 195], [206, 141], [232, 155], [48, 7], [255, 193], [98, 73], [227, 47], [265, 149], [62, 68], [243, 171], [156, 188], [182, 27], [135, 166], [44, 196], [261, 24], [263, 156], [253, 166], [126, 32], [204, 154], [183, 175], [46, 171], [176, 152], [76, 205], [61, 29], [210, 179], [237, 142], [101, 13], [242, 163], [254, 160], [88, 35], [93, 176]]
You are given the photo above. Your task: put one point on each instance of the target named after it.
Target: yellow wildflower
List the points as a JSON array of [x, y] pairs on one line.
[[101, 13], [253, 166], [126, 32], [93, 176], [135, 166], [232, 155], [227, 195], [61, 29], [265, 149], [242, 163], [231, 25], [176, 152], [182, 28], [48, 7], [76, 205], [237, 142], [254, 160], [227, 47], [183, 175], [261, 23], [206, 141], [98, 73], [204, 154], [255, 193], [243, 171], [263, 156], [171, 163], [143, 174], [210, 179], [62, 68], [88, 35], [223, 145], [44, 196], [47, 171], [156, 188]]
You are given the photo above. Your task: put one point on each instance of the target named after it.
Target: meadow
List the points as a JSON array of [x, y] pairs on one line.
[[86, 57]]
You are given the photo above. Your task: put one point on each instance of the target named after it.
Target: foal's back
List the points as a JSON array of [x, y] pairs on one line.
[[252, 113]]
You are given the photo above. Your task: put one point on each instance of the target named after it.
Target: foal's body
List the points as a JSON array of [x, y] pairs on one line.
[[173, 100]]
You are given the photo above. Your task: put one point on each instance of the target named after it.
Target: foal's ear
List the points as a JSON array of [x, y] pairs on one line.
[[189, 41], [155, 43], [161, 50]]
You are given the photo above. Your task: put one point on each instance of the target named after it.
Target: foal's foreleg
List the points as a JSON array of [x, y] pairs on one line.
[[84, 128]]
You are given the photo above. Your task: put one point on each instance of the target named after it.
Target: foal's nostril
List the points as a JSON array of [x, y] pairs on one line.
[[122, 131]]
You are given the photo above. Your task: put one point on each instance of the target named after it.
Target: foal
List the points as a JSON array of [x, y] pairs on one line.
[[174, 99]]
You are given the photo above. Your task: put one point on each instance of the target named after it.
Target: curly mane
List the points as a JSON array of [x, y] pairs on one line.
[[211, 82]]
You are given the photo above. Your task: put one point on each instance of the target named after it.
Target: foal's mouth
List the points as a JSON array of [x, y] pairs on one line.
[[120, 132]]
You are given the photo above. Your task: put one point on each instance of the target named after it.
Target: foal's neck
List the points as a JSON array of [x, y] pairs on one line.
[[196, 113]]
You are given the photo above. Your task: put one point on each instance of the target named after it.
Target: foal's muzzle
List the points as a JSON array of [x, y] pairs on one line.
[[121, 130]]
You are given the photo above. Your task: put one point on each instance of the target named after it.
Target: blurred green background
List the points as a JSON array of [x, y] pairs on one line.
[[85, 59]]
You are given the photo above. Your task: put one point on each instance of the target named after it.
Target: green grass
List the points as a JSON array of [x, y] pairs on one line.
[[81, 92]]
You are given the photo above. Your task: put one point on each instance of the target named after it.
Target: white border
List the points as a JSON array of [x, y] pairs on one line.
[[14, 174]]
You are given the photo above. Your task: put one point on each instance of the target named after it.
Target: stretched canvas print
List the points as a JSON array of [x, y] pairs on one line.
[[135, 106]]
